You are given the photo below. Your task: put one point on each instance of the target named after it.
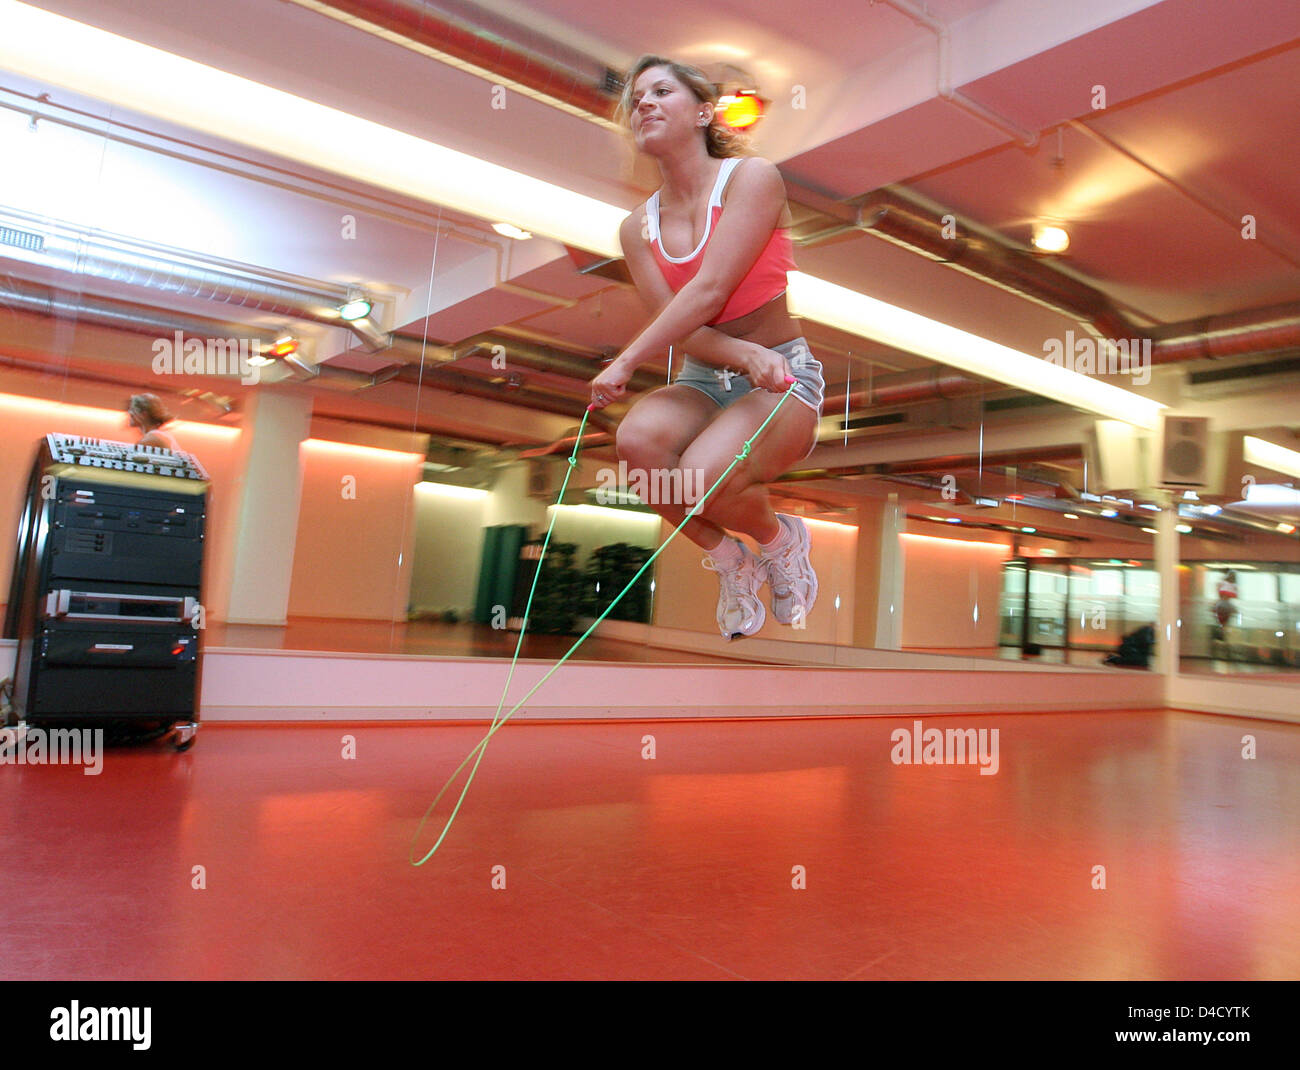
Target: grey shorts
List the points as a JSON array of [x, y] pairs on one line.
[[725, 386]]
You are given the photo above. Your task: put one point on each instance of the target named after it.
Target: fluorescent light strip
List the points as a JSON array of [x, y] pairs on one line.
[[141, 78], [51, 48], [845, 309], [1270, 455]]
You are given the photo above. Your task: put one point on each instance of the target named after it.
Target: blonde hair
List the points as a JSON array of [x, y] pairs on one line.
[[149, 406], [720, 140]]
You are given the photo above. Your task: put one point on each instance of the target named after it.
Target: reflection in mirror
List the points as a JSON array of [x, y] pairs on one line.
[[1239, 582]]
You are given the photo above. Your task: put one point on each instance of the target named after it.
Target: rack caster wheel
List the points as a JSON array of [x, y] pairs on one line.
[[184, 735]]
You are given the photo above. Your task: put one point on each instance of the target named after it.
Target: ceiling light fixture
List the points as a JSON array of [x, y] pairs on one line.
[[1270, 455], [1049, 238], [283, 346], [357, 308], [741, 110]]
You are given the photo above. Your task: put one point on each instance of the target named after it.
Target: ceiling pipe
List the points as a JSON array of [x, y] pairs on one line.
[[950, 463], [550, 359], [454, 382], [121, 315], [120, 261], [588, 89], [898, 220], [925, 384], [1251, 331]]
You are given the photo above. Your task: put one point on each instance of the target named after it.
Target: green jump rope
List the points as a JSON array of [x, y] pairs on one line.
[[498, 721]]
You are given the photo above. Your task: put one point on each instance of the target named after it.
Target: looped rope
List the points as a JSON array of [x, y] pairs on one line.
[[497, 720]]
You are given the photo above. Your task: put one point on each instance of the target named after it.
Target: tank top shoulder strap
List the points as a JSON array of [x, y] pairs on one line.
[[724, 176]]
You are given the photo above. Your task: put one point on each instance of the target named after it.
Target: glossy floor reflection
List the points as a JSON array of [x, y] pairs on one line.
[[619, 866]]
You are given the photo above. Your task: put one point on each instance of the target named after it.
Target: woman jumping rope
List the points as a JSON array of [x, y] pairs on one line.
[[709, 252]]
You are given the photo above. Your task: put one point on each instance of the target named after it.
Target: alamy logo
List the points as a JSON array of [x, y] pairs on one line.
[[212, 356], [56, 746], [654, 486], [102, 1023], [938, 746], [1090, 356]]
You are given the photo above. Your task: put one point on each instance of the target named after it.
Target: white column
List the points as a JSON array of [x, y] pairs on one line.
[[1168, 639], [269, 490], [889, 603]]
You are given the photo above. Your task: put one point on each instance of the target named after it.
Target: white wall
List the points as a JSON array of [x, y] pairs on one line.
[[448, 549]]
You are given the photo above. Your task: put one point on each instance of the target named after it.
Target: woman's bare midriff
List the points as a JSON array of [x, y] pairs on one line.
[[767, 326]]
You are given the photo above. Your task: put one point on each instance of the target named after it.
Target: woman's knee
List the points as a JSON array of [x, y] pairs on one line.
[[639, 440]]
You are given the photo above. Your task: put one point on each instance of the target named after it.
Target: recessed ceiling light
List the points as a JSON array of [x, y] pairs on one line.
[[1050, 238]]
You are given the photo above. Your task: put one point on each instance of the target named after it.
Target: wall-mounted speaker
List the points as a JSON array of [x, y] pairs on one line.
[[1117, 454], [1185, 453], [541, 478]]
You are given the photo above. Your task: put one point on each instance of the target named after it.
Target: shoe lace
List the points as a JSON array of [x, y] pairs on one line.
[[733, 583], [783, 563]]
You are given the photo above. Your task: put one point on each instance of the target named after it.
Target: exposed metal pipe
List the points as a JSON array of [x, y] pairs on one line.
[[925, 384], [467, 45], [79, 252], [886, 214], [1256, 330], [547, 358], [949, 463], [454, 382], [108, 313]]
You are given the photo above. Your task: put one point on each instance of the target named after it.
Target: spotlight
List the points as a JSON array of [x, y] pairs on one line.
[[284, 346], [356, 309], [1051, 238], [741, 109]]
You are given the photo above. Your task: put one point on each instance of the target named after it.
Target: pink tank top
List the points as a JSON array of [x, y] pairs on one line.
[[764, 281]]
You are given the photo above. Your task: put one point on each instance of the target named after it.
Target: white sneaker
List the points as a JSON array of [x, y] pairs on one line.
[[740, 610], [790, 572]]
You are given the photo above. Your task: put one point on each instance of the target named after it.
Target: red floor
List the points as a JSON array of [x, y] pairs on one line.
[[680, 867]]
